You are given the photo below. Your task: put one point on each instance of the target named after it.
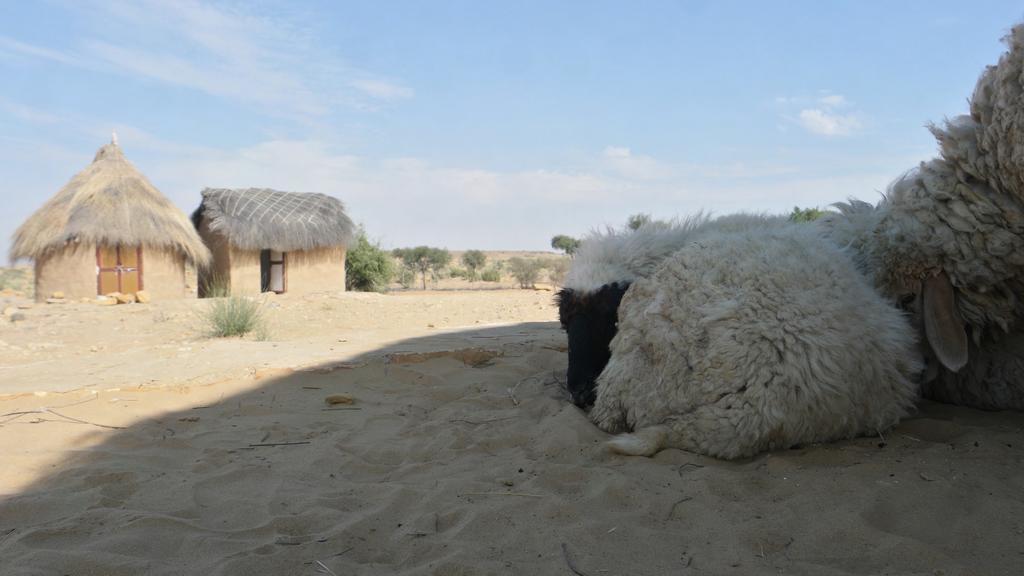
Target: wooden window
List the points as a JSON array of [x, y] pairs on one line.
[[118, 269]]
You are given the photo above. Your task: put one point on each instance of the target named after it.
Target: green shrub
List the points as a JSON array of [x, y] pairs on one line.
[[367, 267], [262, 332], [806, 214], [635, 221], [215, 286], [491, 275], [17, 279], [424, 259], [407, 278], [525, 271], [557, 269], [474, 260], [233, 316]]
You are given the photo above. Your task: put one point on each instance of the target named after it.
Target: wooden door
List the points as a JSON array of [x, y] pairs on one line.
[[119, 269], [131, 269], [108, 280], [273, 276]]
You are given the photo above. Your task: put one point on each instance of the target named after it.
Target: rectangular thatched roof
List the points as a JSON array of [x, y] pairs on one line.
[[261, 218]]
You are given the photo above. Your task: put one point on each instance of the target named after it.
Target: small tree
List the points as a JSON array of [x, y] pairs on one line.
[[406, 277], [473, 260], [566, 244], [526, 271], [367, 267], [423, 259], [805, 214], [635, 221], [557, 269]]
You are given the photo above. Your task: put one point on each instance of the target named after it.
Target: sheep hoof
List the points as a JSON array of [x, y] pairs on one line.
[[646, 442]]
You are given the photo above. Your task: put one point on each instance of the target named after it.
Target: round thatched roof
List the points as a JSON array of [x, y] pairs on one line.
[[108, 203], [260, 218]]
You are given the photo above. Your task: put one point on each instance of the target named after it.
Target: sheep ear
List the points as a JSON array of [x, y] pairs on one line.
[[943, 324]]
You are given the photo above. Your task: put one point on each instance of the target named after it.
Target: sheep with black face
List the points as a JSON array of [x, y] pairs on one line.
[[755, 340], [601, 273]]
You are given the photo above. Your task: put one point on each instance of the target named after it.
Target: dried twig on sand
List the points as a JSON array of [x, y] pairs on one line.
[[672, 510], [15, 415], [264, 444], [568, 560], [512, 390], [67, 419], [479, 422], [322, 568], [59, 415], [502, 494]]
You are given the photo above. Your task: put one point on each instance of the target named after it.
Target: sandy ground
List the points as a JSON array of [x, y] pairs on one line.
[[132, 444]]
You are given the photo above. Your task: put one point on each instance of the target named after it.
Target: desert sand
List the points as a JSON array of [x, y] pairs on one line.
[[132, 444]]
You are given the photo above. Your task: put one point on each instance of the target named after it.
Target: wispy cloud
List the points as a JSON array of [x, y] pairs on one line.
[[625, 163], [833, 100], [825, 115], [12, 46], [27, 113], [260, 61], [828, 123], [382, 89]]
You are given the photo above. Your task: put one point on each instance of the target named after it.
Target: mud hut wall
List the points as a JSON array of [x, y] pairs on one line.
[[163, 274], [245, 271], [71, 271], [318, 270]]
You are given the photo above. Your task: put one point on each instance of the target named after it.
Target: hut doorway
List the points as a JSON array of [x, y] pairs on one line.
[[118, 269], [273, 272]]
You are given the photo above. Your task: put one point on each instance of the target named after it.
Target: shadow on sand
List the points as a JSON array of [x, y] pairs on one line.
[[460, 456]]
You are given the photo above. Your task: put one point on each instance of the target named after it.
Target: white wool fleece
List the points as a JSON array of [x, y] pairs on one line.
[[755, 340], [625, 256], [961, 214], [961, 217]]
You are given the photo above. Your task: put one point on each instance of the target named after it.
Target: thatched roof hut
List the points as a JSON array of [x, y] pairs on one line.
[[106, 209], [268, 240]]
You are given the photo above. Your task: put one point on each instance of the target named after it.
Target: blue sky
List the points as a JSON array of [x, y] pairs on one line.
[[491, 125]]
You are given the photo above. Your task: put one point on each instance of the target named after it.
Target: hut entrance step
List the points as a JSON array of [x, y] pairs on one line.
[[118, 269]]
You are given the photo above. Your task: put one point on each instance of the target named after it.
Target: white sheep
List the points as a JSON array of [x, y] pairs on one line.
[[754, 340], [601, 272], [947, 241]]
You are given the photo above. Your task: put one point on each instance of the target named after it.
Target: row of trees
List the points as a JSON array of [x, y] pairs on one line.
[[806, 214], [527, 271], [423, 259], [570, 245], [369, 268]]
